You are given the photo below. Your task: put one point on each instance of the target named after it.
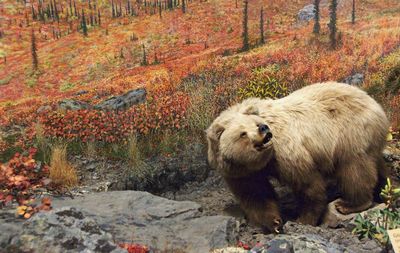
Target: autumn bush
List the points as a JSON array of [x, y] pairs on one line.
[[62, 173], [159, 113], [20, 177]]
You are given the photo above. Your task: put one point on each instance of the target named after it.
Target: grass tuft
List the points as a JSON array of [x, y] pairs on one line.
[[62, 173]]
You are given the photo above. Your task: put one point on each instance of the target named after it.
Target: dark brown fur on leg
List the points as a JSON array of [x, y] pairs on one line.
[[357, 181], [313, 200], [258, 200]]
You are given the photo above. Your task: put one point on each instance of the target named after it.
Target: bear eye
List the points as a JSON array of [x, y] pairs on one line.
[[243, 134]]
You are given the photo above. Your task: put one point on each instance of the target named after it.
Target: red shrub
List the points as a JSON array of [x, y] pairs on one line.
[[19, 177]]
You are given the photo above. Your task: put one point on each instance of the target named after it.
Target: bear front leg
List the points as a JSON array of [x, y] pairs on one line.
[[313, 200], [265, 214], [258, 200]]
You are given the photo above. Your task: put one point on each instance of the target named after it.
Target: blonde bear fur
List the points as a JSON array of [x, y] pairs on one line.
[[322, 132]]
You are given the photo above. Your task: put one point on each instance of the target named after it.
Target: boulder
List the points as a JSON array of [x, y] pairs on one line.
[[61, 230], [70, 104], [124, 101], [95, 222], [334, 219], [306, 14], [159, 223], [356, 79]]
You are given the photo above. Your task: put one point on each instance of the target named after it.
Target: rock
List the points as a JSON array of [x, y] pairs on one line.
[[161, 174], [81, 92], [124, 101], [44, 109], [70, 104], [61, 230], [305, 238], [230, 250], [356, 79], [334, 219], [274, 246], [159, 223], [306, 14]]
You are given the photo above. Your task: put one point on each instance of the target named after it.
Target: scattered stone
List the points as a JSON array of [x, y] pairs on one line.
[[307, 239], [70, 104], [91, 167], [230, 250], [124, 101], [355, 80], [306, 14]]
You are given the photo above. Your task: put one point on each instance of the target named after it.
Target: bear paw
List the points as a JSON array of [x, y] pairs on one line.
[[345, 207]]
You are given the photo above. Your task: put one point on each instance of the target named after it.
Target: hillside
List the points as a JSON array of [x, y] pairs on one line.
[[112, 97]]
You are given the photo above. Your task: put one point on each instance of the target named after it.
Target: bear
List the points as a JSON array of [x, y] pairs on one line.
[[323, 132]]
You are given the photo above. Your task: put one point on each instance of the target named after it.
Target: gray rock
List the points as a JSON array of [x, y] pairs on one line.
[[61, 230], [124, 101], [307, 238], [81, 92], [356, 79], [306, 14], [70, 104], [162, 174], [334, 219], [159, 223], [44, 109]]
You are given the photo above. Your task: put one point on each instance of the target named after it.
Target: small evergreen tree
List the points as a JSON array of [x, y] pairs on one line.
[[84, 25], [183, 6], [144, 60], [56, 11], [332, 23], [317, 26], [99, 17], [75, 12], [34, 16], [113, 9], [245, 33], [262, 38], [35, 62]]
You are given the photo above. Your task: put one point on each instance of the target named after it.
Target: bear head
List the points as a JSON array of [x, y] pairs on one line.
[[239, 142]]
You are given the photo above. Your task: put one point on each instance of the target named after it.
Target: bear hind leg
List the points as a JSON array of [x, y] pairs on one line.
[[357, 180]]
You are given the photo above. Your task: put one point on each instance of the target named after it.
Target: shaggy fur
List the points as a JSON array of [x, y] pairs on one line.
[[322, 132]]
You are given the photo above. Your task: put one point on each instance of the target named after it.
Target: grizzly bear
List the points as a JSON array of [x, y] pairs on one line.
[[321, 133]]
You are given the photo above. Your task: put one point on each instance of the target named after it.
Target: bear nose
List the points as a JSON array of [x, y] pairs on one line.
[[263, 128]]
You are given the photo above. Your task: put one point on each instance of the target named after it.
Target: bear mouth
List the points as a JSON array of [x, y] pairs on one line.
[[265, 142]]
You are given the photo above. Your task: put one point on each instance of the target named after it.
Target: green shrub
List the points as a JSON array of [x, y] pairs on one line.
[[374, 224], [263, 85], [392, 82], [6, 80], [66, 86]]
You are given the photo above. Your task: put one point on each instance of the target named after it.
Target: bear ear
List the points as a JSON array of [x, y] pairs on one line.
[[251, 110], [215, 131]]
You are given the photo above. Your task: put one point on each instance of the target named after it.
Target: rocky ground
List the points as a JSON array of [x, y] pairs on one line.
[[182, 206]]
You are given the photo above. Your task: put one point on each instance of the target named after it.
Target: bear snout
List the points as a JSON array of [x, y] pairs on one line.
[[262, 128], [263, 143]]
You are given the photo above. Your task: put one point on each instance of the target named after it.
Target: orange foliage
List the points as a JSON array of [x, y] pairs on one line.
[[19, 177], [159, 113]]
